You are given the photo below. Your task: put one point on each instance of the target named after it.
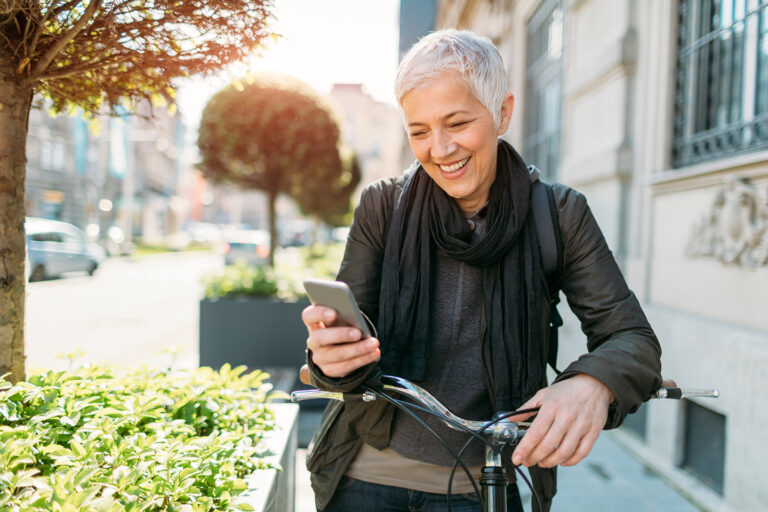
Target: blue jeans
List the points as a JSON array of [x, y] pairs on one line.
[[358, 496]]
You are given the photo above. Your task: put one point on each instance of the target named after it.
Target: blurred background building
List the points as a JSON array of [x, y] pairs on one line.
[[136, 174], [127, 174], [372, 129], [657, 110]]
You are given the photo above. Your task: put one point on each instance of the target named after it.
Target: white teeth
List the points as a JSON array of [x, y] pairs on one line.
[[455, 167]]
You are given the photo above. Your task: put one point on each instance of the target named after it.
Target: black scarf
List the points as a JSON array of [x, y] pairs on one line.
[[425, 219]]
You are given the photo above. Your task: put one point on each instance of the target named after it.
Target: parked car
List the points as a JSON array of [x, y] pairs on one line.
[[251, 246], [55, 248]]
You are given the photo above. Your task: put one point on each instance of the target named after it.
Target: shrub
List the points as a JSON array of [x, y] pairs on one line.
[[241, 280], [284, 281], [100, 439]]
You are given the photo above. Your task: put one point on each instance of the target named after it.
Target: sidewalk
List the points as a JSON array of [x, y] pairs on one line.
[[609, 479]]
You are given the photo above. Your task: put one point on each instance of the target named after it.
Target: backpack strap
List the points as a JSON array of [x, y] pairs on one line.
[[546, 219]]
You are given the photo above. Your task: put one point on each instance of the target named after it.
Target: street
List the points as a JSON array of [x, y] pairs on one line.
[[126, 313]]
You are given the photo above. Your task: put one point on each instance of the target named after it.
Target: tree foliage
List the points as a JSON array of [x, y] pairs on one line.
[[273, 135], [331, 202], [100, 52], [96, 54]]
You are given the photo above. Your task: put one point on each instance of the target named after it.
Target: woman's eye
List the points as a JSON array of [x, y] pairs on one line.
[[458, 124], [417, 134]]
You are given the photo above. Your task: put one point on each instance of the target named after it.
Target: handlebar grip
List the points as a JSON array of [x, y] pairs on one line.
[[310, 394], [676, 393]]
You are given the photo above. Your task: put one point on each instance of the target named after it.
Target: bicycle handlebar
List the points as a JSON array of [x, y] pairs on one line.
[[503, 430], [423, 397]]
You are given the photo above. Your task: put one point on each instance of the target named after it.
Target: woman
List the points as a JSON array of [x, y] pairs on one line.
[[444, 262]]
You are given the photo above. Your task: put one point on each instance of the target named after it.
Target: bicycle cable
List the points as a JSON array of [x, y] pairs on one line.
[[401, 405], [517, 468], [438, 415], [404, 406]]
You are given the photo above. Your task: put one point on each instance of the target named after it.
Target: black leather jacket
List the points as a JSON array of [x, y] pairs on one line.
[[623, 352]]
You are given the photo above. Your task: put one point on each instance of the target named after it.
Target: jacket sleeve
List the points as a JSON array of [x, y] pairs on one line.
[[623, 352], [361, 270]]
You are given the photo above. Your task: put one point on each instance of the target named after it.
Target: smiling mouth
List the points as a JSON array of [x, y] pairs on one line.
[[454, 167]]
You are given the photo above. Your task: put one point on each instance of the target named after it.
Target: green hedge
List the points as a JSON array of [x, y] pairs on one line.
[[284, 281], [241, 280], [103, 439]]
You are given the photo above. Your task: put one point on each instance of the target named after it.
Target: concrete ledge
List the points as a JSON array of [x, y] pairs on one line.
[[272, 490]]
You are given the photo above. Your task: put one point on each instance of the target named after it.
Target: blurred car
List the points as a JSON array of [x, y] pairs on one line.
[[251, 246], [204, 232], [55, 248]]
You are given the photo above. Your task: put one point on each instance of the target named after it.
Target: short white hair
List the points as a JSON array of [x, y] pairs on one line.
[[475, 57]]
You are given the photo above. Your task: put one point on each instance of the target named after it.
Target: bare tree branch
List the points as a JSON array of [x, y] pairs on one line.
[[7, 41], [52, 9], [46, 59]]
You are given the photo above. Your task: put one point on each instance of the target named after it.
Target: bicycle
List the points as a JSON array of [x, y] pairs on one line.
[[496, 434]]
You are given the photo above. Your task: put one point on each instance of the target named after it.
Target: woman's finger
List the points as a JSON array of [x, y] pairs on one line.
[[565, 450], [533, 436], [547, 445], [344, 352], [332, 336], [346, 367], [315, 316], [584, 447]]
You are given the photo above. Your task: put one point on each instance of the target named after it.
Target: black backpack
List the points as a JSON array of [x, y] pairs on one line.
[[545, 217]]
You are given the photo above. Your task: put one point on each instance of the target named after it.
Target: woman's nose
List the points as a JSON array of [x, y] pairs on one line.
[[442, 145]]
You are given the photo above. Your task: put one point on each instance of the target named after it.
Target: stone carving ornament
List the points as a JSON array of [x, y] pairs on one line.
[[735, 230]]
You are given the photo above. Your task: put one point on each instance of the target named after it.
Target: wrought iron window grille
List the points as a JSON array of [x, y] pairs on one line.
[[721, 81]]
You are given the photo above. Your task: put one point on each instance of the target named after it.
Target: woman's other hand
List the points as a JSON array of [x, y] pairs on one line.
[[337, 351], [572, 414]]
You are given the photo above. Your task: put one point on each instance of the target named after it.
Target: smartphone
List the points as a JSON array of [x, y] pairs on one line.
[[337, 295]]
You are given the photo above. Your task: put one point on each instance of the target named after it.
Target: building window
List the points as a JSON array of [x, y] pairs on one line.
[[704, 445], [52, 154], [543, 92], [721, 98]]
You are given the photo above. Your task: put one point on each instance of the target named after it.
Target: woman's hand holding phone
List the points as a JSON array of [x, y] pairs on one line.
[[337, 351]]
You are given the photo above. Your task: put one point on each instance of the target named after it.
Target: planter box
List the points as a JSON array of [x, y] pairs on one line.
[[270, 490], [257, 332]]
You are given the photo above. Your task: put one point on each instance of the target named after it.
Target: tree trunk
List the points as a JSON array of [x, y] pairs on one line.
[[273, 241], [15, 102]]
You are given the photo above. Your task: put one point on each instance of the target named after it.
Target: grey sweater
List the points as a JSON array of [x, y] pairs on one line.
[[455, 373]]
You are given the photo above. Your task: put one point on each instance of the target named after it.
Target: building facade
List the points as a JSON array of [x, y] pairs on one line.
[[657, 110], [371, 128], [124, 172]]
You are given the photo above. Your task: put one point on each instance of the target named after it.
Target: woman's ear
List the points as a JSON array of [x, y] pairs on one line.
[[507, 106]]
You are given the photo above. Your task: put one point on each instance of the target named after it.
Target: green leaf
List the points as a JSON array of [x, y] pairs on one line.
[[77, 448], [70, 421], [85, 475]]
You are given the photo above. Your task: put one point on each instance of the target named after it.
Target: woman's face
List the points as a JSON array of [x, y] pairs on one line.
[[453, 136]]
